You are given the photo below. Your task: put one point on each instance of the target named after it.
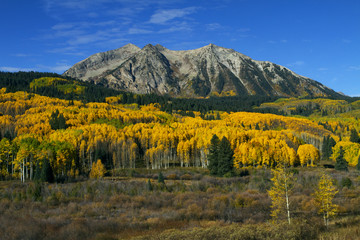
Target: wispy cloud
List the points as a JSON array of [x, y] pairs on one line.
[[177, 27], [139, 31], [296, 64], [22, 55], [280, 41], [16, 69], [58, 68], [354, 68], [163, 16], [322, 69], [213, 26]]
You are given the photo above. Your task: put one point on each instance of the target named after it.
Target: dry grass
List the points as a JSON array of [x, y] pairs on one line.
[[125, 207]]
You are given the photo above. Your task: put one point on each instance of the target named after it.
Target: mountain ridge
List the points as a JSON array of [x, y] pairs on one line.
[[206, 71]]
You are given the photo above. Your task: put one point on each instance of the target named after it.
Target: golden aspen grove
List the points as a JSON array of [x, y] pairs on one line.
[[92, 167], [130, 136]]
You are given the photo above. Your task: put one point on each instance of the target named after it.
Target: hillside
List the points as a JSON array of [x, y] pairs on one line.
[[207, 71], [45, 141]]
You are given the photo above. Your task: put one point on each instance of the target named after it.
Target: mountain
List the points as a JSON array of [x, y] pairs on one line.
[[210, 70]]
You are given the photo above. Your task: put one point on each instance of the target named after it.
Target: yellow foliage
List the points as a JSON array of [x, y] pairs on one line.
[[324, 196], [97, 170], [308, 154], [351, 152]]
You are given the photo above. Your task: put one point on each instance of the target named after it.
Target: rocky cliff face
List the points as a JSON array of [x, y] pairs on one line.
[[210, 70]]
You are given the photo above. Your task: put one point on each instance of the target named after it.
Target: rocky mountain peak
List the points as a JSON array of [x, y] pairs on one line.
[[210, 70]]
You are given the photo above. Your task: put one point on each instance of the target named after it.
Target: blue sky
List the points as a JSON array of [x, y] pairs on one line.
[[319, 39]]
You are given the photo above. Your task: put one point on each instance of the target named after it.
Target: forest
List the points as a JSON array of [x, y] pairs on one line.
[[116, 165]]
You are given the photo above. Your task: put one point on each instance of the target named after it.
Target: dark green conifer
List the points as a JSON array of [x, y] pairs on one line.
[[341, 164], [47, 174], [149, 185], [161, 178], [213, 155], [354, 136], [226, 157]]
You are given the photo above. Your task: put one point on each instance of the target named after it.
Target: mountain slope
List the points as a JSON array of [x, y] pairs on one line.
[[210, 70]]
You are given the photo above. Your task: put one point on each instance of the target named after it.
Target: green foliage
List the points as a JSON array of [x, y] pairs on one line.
[[220, 157], [328, 144], [47, 174], [213, 156], [225, 157], [161, 178], [346, 182], [354, 136], [57, 121], [358, 164], [341, 164], [149, 185]]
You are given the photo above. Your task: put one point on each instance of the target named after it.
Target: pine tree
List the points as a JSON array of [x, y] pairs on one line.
[[47, 174], [328, 144], [57, 121], [341, 164], [213, 155], [225, 157], [161, 178], [354, 136], [149, 185]]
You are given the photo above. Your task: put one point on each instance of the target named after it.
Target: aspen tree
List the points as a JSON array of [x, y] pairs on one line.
[[283, 182], [324, 196]]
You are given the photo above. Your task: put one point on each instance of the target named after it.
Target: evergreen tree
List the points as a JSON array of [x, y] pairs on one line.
[[328, 144], [161, 178], [149, 185], [341, 164], [213, 155], [354, 136], [37, 175], [57, 121], [47, 174], [225, 157]]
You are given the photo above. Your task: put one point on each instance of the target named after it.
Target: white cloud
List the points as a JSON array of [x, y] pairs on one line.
[[63, 26], [21, 55], [354, 68], [163, 16], [183, 26], [296, 64], [213, 26], [323, 69], [139, 31], [59, 68], [275, 42], [16, 69]]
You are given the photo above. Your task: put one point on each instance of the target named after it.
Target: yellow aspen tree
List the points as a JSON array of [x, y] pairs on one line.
[[97, 170], [324, 196], [283, 182]]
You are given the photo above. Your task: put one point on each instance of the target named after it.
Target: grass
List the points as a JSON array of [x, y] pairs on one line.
[[196, 206]]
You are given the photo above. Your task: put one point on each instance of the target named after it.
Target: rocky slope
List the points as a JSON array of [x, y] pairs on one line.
[[210, 70]]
